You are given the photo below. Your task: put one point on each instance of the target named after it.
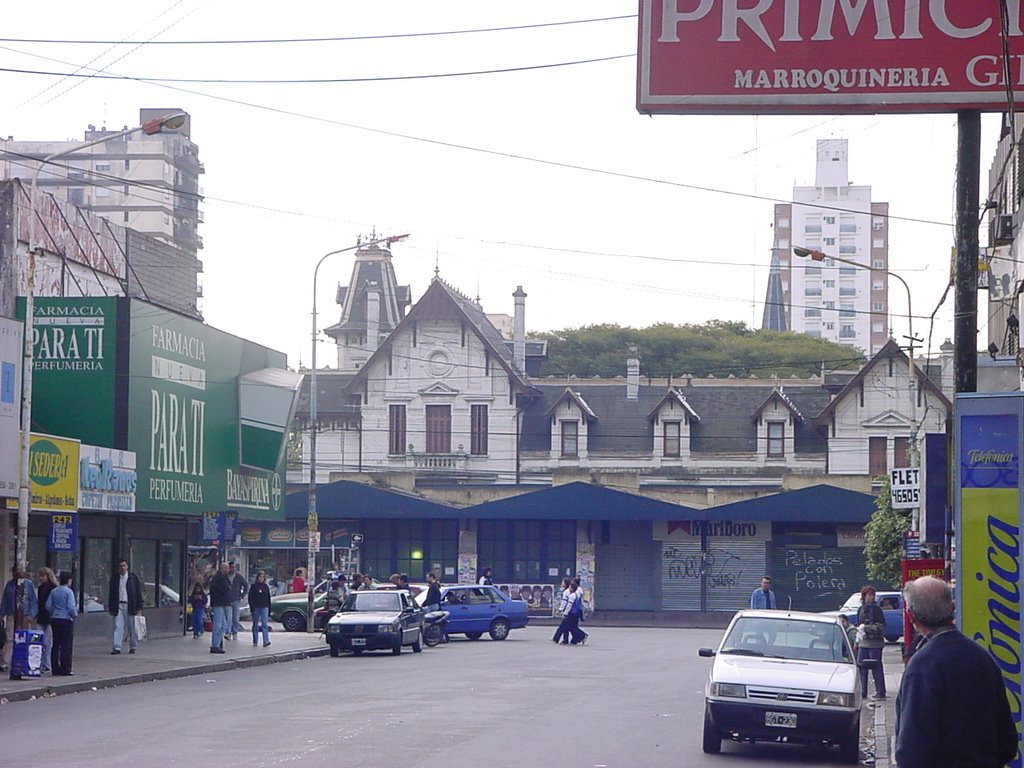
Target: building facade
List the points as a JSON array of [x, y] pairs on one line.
[[145, 183], [834, 300]]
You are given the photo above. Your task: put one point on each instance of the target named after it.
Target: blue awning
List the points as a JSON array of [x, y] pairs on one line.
[[349, 500], [815, 504], [581, 501]]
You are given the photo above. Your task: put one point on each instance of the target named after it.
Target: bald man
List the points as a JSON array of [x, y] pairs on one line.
[[952, 709]]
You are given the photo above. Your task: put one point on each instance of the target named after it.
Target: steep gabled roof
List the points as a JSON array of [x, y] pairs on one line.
[[441, 300], [675, 396], [890, 350], [574, 397], [778, 394]]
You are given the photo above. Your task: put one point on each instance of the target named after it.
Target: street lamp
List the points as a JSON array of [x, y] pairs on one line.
[[816, 255], [150, 127], [313, 523]]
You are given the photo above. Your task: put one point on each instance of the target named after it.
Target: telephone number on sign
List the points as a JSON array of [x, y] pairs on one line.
[[906, 495]]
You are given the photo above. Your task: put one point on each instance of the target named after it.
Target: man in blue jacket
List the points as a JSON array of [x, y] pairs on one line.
[[952, 710], [764, 597], [9, 607]]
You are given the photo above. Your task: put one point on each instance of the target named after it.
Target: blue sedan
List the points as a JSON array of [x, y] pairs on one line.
[[474, 609], [891, 604]]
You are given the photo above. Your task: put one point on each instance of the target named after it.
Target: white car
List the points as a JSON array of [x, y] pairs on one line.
[[783, 676]]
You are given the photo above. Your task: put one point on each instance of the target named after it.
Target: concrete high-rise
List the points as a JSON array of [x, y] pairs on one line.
[[146, 183], [831, 299]]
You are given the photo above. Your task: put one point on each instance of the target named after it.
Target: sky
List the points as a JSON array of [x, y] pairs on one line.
[[545, 176]]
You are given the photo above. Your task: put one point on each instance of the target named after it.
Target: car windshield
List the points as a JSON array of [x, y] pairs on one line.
[[382, 602], [787, 638]]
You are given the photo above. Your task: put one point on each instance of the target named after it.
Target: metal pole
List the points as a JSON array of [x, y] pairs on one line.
[[312, 519], [965, 321]]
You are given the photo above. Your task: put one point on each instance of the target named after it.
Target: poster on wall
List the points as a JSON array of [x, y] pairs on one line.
[[540, 599], [988, 508], [467, 569], [10, 402]]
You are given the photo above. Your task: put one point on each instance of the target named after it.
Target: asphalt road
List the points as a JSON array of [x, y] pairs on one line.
[[629, 698]]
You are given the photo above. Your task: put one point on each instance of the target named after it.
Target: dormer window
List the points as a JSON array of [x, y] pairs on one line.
[[776, 439], [672, 432], [570, 438]]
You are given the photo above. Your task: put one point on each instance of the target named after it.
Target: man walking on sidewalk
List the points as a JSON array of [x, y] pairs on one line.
[[239, 591], [124, 603], [220, 603], [952, 710]]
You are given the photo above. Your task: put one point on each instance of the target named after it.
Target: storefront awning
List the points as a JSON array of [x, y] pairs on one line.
[[817, 503], [348, 500], [582, 501]]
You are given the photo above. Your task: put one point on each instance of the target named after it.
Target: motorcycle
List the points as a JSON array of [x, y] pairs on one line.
[[435, 628]]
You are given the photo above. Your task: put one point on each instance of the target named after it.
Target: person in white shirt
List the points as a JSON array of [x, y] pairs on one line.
[[562, 633], [485, 577]]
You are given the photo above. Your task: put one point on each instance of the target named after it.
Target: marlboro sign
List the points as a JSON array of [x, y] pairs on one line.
[[827, 56]]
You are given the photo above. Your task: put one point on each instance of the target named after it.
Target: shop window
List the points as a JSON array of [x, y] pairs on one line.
[[877, 465], [142, 562], [36, 555], [170, 572], [97, 566]]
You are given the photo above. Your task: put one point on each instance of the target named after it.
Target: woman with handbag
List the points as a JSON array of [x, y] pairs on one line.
[[871, 640], [47, 583]]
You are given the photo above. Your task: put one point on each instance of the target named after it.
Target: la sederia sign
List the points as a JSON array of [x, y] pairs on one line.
[[827, 56]]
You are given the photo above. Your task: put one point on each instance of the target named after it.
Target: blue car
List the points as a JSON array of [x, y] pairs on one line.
[[891, 604], [474, 609]]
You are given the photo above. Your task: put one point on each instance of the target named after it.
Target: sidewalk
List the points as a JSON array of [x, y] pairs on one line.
[[885, 715], [161, 658]]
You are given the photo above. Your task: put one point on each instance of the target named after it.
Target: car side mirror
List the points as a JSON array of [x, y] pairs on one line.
[[707, 653]]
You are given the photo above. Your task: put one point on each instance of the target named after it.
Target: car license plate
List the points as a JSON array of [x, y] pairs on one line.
[[780, 719], [362, 641]]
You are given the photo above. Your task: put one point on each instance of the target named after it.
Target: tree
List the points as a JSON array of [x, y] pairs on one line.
[[715, 348], [884, 548]]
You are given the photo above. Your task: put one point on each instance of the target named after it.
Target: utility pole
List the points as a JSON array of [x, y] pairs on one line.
[[965, 320]]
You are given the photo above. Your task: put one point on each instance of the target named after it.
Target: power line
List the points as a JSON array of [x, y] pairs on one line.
[[311, 81], [349, 38]]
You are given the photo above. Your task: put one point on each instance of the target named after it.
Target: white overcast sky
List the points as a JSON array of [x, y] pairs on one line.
[[465, 164]]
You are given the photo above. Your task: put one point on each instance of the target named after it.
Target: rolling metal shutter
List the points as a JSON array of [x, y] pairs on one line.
[[680, 575], [733, 570], [625, 576], [817, 578]]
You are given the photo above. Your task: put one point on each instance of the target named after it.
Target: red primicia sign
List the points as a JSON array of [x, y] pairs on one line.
[[827, 56]]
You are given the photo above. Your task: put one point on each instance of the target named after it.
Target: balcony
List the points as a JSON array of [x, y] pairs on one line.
[[437, 462]]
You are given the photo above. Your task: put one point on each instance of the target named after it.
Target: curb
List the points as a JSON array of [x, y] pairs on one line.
[[38, 691]]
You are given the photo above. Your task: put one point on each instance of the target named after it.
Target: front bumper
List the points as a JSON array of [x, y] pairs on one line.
[[814, 724], [362, 640]]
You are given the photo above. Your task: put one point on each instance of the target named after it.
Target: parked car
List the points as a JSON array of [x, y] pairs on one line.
[[891, 604], [290, 609], [376, 620], [783, 676], [474, 609]]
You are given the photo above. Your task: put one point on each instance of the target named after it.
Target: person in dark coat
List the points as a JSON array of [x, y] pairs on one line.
[[221, 598], [952, 709], [197, 601], [259, 606], [124, 603], [432, 602], [870, 641]]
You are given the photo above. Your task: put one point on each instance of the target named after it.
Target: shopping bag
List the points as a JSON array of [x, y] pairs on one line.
[[141, 630]]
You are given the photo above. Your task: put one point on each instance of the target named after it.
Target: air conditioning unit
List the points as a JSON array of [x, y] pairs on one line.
[[1000, 229]]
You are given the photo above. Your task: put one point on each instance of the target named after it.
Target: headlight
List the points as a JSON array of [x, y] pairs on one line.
[[334, 628], [734, 690], [384, 628], [830, 699]]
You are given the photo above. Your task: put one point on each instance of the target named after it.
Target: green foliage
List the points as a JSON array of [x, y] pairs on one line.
[[884, 548], [715, 348]]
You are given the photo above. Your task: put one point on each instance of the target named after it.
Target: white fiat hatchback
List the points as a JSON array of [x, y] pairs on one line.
[[783, 676]]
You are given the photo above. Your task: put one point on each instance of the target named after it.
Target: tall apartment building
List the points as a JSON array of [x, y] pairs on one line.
[[833, 299], [146, 183]]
